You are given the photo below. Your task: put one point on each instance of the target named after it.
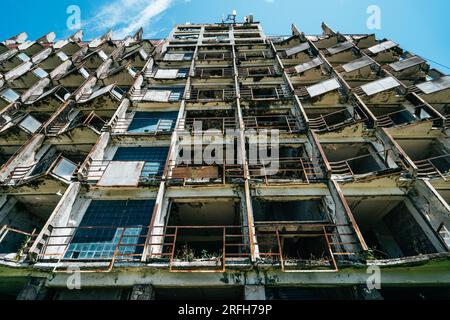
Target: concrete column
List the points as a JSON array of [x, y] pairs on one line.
[[143, 292], [34, 290], [255, 292]]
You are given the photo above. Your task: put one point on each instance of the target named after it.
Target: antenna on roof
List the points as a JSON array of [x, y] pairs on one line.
[[231, 18]]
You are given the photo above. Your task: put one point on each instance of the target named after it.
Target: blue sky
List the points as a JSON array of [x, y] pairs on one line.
[[420, 26]]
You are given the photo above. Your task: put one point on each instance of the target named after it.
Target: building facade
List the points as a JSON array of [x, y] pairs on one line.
[[99, 200]]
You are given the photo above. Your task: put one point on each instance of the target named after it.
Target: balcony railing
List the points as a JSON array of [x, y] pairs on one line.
[[299, 170], [22, 241], [94, 171], [402, 117], [213, 56], [206, 73], [234, 247], [258, 72], [269, 93], [213, 125], [285, 123], [162, 126], [192, 174], [211, 94], [324, 123], [434, 168], [345, 168], [56, 166], [252, 55]]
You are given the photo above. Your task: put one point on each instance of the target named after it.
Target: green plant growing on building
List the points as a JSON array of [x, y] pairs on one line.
[[23, 248]]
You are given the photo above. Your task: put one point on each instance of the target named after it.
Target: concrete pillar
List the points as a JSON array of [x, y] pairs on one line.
[[34, 290], [255, 292], [143, 292]]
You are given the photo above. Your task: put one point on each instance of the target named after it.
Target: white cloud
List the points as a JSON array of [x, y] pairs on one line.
[[126, 16]]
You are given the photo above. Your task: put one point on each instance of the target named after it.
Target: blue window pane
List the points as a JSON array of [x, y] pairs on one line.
[[100, 243], [155, 158], [152, 122]]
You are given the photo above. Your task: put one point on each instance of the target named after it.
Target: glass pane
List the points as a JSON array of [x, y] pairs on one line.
[[10, 95], [30, 124], [65, 169], [62, 56], [152, 121], [24, 57], [111, 217], [40, 73]]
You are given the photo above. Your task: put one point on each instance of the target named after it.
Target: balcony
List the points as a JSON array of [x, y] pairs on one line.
[[310, 72], [333, 119], [23, 217], [129, 167], [358, 160], [145, 123], [410, 70], [265, 92], [50, 165], [211, 93], [213, 73], [106, 232], [220, 163], [258, 71], [252, 55], [205, 236], [393, 228], [208, 122], [437, 93], [326, 92], [384, 91], [285, 123], [384, 52], [213, 56], [341, 53], [155, 94], [359, 71], [287, 164], [430, 156]]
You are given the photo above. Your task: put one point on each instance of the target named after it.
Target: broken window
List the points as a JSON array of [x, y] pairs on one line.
[[65, 169], [154, 158], [10, 95], [30, 124], [151, 122], [105, 223]]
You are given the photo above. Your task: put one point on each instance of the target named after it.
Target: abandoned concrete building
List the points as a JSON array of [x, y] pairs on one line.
[[91, 189]]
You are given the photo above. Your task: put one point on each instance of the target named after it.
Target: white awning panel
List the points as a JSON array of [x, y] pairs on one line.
[[358, 64], [323, 87], [157, 95], [308, 65], [382, 47], [407, 63], [122, 173], [435, 85], [166, 74], [380, 85], [340, 47], [300, 48]]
